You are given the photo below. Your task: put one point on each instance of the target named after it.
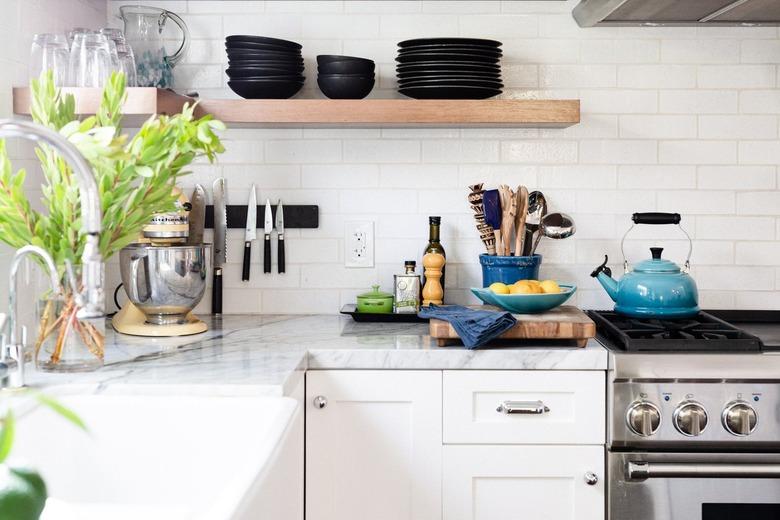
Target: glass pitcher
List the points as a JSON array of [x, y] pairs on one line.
[[143, 31]]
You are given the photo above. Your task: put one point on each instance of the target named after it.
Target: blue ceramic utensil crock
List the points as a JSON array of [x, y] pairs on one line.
[[656, 287]]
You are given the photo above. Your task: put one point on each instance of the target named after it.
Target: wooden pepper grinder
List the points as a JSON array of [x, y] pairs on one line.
[[433, 292]]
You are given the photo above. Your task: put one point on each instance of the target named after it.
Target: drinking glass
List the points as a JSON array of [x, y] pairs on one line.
[[76, 30], [90, 60], [49, 52], [124, 54]]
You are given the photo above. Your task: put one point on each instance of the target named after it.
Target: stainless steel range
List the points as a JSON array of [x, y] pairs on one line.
[[693, 416]]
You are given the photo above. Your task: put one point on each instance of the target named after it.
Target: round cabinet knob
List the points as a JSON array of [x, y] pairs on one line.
[[320, 402], [643, 418], [739, 418], [591, 478], [690, 418]]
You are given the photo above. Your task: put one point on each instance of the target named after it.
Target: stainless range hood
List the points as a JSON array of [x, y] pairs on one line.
[[593, 13]]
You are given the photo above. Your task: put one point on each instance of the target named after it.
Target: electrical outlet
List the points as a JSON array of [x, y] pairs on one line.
[[359, 243]]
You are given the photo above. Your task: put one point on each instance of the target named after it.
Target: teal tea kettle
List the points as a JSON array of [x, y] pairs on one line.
[[656, 287]]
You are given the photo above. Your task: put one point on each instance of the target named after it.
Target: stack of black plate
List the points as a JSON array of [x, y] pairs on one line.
[[264, 68], [449, 68]]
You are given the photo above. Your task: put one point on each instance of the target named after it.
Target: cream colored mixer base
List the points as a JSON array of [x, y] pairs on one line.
[[130, 320]]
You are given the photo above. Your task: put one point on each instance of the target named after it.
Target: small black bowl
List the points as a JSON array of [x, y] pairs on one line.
[[245, 72], [327, 58], [345, 86], [347, 67], [265, 88]]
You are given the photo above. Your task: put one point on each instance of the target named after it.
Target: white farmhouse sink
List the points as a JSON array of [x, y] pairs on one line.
[[156, 456]]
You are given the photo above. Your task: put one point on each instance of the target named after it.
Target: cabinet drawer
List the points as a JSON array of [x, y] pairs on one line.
[[529, 482], [561, 407]]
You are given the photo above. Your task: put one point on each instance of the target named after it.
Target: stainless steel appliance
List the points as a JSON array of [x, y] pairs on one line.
[[590, 13], [693, 429]]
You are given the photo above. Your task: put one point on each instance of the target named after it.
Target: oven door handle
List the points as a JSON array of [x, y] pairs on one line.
[[646, 470]]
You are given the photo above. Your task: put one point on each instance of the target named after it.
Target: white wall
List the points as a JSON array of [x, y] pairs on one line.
[[674, 119]]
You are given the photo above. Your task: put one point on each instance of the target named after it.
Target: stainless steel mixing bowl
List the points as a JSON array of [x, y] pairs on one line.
[[164, 282]]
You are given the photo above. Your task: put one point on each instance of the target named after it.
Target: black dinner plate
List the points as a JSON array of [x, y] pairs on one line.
[[449, 41], [242, 72], [265, 88], [449, 73], [467, 51], [475, 81], [458, 82], [262, 39], [431, 56], [449, 92], [444, 47], [447, 65]]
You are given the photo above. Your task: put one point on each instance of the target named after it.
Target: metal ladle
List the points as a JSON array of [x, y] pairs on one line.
[[537, 209], [555, 226]]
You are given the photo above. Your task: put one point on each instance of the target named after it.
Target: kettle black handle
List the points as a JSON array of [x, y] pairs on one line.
[[656, 218]]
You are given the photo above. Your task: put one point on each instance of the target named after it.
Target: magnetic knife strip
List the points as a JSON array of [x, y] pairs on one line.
[[300, 217]]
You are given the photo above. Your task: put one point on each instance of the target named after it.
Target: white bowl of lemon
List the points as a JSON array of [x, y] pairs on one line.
[[526, 296]]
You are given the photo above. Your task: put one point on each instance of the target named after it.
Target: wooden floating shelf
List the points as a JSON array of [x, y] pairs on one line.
[[263, 113]]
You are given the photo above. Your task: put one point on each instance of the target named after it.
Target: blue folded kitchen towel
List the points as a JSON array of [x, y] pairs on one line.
[[475, 327]]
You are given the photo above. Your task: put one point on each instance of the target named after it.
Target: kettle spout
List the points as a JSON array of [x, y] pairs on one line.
[[604, 275]]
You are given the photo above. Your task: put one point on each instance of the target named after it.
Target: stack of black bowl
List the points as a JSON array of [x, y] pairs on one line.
[[264, 68], [449, 68], [345, 77]]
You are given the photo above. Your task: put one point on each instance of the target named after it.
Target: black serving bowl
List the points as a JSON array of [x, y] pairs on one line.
[[246, 72], [365, 67], [327, 58], [262, 40], [265, 64], [345, 86], [265, 88], [246, 54]]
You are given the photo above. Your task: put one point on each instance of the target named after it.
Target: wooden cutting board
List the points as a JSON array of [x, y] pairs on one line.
[[562, 323]]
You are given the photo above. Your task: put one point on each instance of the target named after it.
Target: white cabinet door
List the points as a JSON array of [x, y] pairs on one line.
[[373, 451], [523, 483]]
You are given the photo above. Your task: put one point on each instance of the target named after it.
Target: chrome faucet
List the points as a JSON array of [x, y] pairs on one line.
[[15, 348], [90, 297]]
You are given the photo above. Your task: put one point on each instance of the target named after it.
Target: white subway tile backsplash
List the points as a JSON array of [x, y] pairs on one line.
[[673, 119]]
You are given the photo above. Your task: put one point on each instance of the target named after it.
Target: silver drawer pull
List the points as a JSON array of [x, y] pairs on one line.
[[646, 470], [522, 407]]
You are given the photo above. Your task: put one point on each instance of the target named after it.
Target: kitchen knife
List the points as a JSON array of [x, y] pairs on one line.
[[197, 218], [220, 243], [268, 228], [280, 236], [250, 233]]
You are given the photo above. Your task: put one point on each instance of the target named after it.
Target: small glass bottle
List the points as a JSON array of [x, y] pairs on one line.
[[434, 244], [406, 289]]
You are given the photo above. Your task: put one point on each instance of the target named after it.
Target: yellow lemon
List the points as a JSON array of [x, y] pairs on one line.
[[535, 283], [550, 286], [521, 288], [499, 288]]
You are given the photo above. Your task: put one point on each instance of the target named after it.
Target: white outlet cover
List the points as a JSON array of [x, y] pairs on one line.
[[359, 243]]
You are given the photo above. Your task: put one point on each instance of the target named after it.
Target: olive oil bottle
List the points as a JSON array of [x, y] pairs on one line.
[[434, 245]]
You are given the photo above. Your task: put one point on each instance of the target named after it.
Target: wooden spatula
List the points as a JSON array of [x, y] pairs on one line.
[[508, 211], [522, 212]]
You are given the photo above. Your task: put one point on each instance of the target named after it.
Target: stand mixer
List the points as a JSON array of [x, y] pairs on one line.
[[164, 278]]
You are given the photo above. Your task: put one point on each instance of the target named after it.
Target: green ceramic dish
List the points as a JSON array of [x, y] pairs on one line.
[[526, 303], [375, 302]]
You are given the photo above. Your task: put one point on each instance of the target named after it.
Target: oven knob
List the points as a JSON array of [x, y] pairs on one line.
[[739, 418], [690, 418], [643, 418]]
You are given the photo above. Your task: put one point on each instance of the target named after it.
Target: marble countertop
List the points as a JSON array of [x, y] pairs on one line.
[[271, 353]]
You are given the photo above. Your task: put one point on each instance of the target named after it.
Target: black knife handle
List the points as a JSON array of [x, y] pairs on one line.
[[267, 254], [247, 260], [216, 292], [280, 253]]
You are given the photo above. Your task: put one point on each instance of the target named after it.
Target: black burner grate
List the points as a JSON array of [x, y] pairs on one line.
[[703, 332]]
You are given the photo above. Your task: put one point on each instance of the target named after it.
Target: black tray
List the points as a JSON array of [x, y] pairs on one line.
[[351, 309]]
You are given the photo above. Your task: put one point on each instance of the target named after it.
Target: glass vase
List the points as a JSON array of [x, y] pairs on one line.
[[66, 342]]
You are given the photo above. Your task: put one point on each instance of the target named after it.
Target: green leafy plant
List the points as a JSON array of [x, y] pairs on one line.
[[135, 177]]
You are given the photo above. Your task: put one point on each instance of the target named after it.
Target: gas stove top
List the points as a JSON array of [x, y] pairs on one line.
[[701, 333]]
